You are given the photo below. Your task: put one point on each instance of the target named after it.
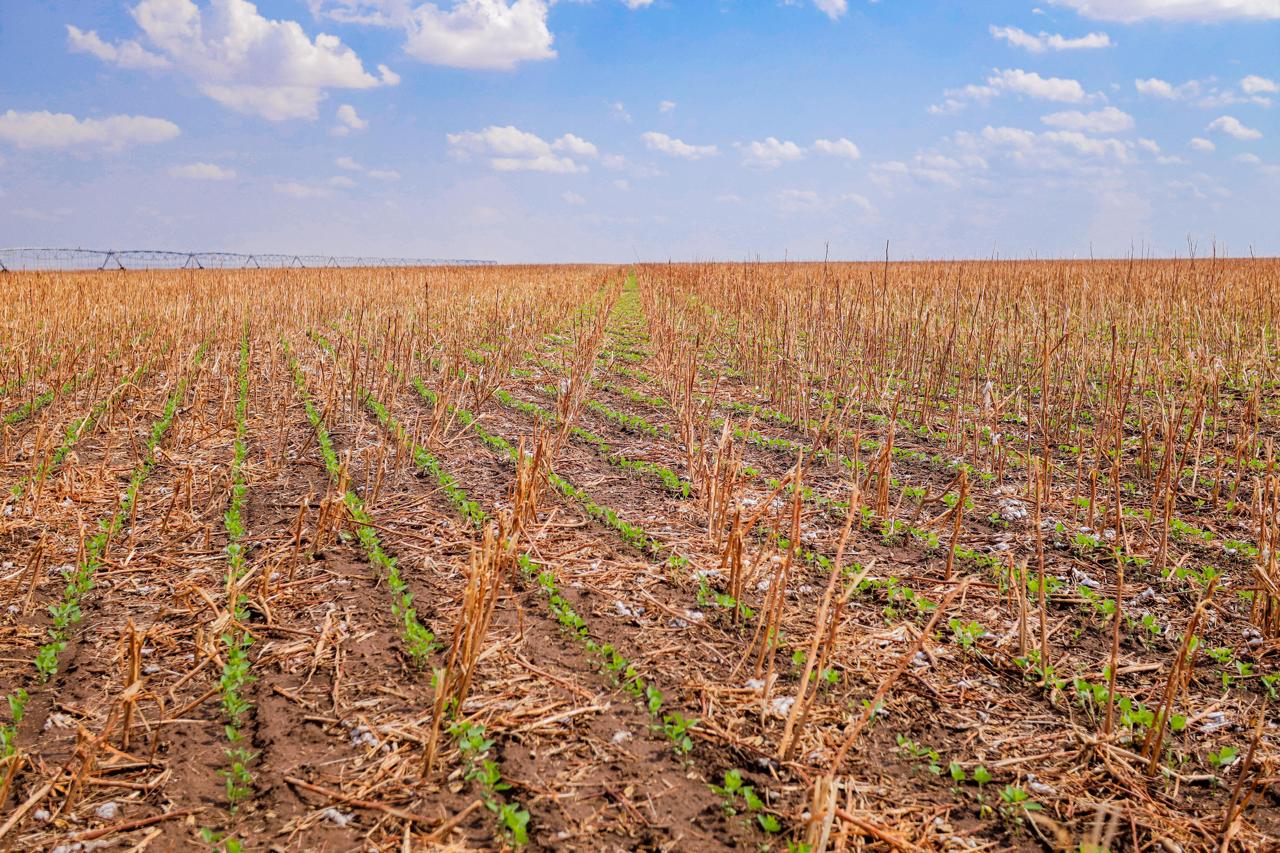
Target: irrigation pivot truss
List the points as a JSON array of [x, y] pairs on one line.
[[39, 258]]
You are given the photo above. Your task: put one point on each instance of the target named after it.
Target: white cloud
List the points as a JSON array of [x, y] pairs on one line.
[[1087, 145], [837, 148], [481, 34], [1218, 98], [881, 173], [510, 149], [1106, 120], [858, 200], [575, 145], [1231, 126], [666, 106], [244, 61], [1201, 144], [1015, 81], [44, 129], [619, 111], [1152, 147], [1012, 137], [769, 153], [1253, 90], [833, 9], [622, 184], [1032, 85], [1063, 151], [928, 168], [349, 118], [672, 147], [126, 54], [1199, 189], [297, 189], [341, 181], [1207, 11], [1154, 87], [1050, 41], [1248, 159], [939, 168], [570, 197], [1255, 85], [370, 13], [351, 165], [203, 172]]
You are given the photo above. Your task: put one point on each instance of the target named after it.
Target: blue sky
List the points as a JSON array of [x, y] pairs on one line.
[[621, 129]]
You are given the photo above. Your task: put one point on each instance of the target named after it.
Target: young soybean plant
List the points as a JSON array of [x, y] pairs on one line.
[[236, 640]]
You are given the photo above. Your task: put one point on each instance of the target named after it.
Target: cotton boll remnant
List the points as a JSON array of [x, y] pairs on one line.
[[362, 736], [1214, 721], [1038, 787], [1080, 578], [340, 819], [623, 609], [1012, 509]]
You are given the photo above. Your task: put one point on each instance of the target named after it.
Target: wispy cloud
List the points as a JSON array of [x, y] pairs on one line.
[[1042, 42], [672, 147], [510, 149]]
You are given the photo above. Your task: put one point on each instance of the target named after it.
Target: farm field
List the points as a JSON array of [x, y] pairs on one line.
[[795, 557]]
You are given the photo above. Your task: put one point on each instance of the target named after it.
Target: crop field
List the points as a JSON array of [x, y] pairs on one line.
[[790, 557]]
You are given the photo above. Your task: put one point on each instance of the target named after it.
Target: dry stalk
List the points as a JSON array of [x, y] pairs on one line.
[[822, 642], [491, 563]]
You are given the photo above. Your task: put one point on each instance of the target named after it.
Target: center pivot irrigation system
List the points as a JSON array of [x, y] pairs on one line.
[[32, 258]]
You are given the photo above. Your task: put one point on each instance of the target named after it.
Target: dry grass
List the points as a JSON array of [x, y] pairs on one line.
[[912, 556]]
